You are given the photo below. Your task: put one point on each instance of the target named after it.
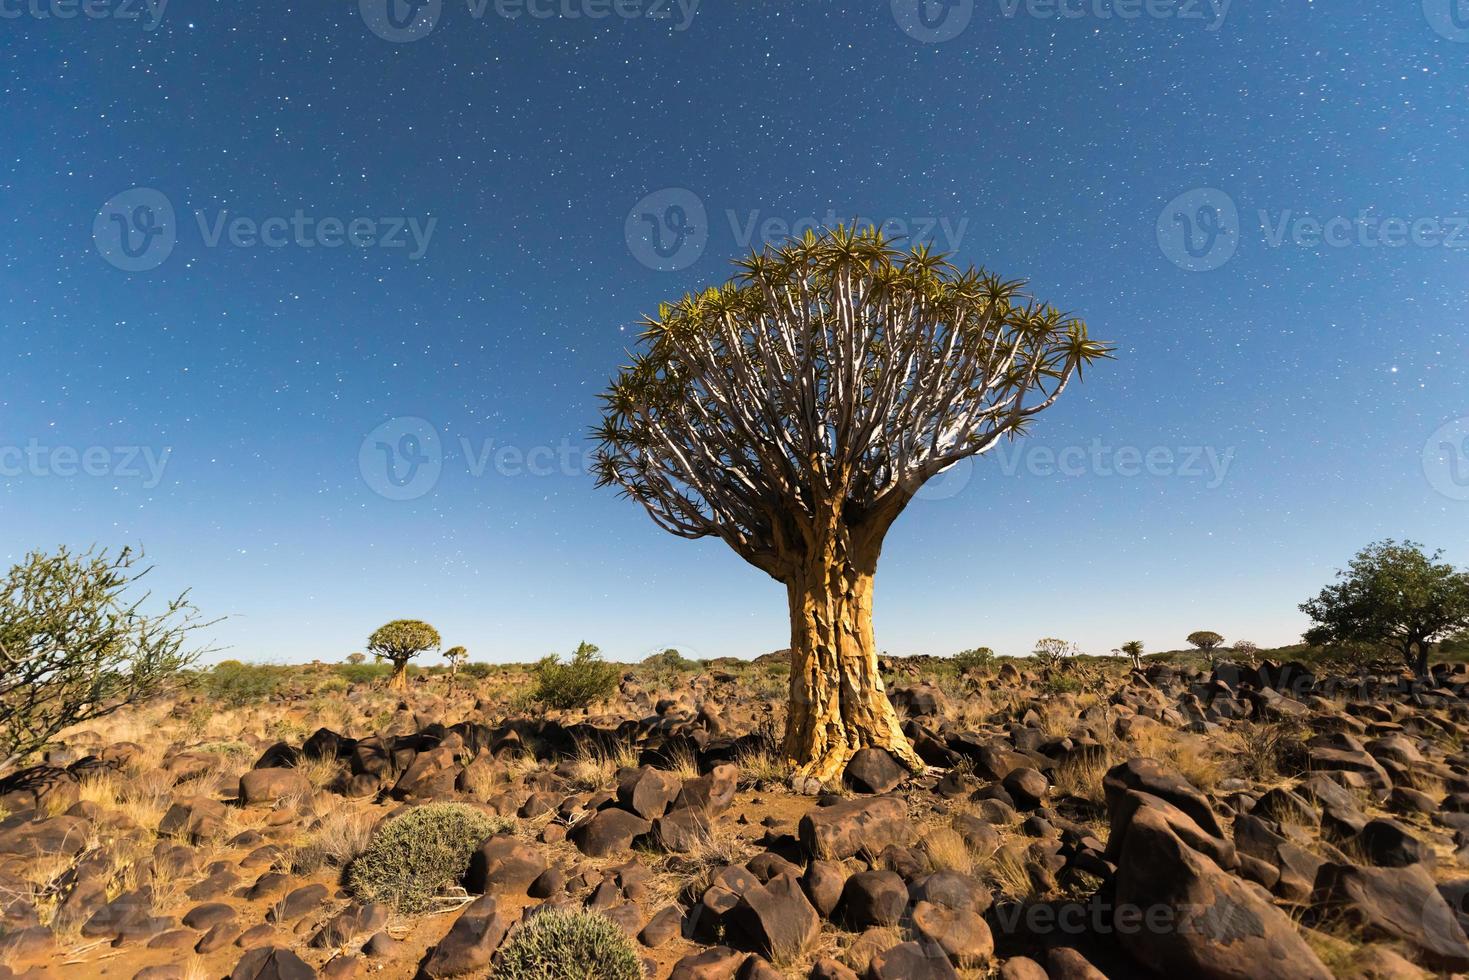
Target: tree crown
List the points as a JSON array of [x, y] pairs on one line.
[[1391, 593], [402, 639], [833, 375], [1205, 639]]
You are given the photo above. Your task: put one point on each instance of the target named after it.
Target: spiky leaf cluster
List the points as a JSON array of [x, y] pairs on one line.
[[835, 374]]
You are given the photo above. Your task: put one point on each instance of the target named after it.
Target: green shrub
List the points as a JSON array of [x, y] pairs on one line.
[[236, 683], [576, 684], [363, 673], [412, 857], [980, 658], [561, 944], [477, 670]]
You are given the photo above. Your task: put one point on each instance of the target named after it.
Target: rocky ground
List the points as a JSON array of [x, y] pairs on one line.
[[1244, 821]]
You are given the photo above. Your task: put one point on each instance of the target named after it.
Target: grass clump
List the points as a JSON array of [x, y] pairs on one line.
[[576, 683], [414, 856], [569, 945]]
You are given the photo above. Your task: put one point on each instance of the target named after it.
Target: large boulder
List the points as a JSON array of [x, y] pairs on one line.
[[259, 787], [608, 831], [1402, 904], [775, 918], [1217, 926], [852, 826], [504, 864], [470, 942]]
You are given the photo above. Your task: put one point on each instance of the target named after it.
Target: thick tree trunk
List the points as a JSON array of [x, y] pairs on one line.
[[838, 702], [398, 681]]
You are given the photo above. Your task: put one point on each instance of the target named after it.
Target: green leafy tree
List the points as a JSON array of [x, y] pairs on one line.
[[399, 642], [795, 411], [76, 644], [1134, 651], [1392, 595], [978, 658], [1205, 640], [355, 658], [577, 683], [1051, 652]]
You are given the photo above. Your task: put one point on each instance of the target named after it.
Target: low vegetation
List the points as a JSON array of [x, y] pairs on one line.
[[413, 857]]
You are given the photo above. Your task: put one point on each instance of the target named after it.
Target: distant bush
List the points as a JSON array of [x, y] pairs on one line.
[[414, 856], [577, 683], [363, 673], [237, 683], [672, 661], [979, 658], [478, 671], [569, 943]]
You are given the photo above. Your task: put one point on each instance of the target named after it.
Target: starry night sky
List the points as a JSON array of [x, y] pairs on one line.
[[1070, 152]]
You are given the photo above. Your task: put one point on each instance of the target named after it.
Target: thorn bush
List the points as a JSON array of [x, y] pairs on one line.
[[576, 684], [561, 944], [412, 857]]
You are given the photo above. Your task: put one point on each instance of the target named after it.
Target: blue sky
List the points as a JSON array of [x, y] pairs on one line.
[[1277, 401]]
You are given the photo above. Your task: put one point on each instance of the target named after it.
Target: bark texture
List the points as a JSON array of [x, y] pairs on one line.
[[838, 701]]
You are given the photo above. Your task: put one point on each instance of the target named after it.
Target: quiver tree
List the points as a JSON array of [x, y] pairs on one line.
[[455, 656], [1205, 640], [1134, 651], [794, 412], [399, 642]]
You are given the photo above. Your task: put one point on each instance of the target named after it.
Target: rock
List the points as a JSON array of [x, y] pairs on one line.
[[661, 928], [714, 963], [648, 792], [910, 961], [920, 700], [852, 826], [208, 916], [432, 775], [953, 890], [272, 963], [873, 898], [348, 925], [1065, 963], [504, 864], [1155, 779], [712, 792], [262, 786], [56, 837], [608, 831], [470, 942], [823, 883], [963, 936], [1026, 787], [1389, 844], [197, 818], [681, 831], [775, 918], [1022, 968], [1397, 904], [874, 770], [827, 968], [297, 903], [1219, 926]]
